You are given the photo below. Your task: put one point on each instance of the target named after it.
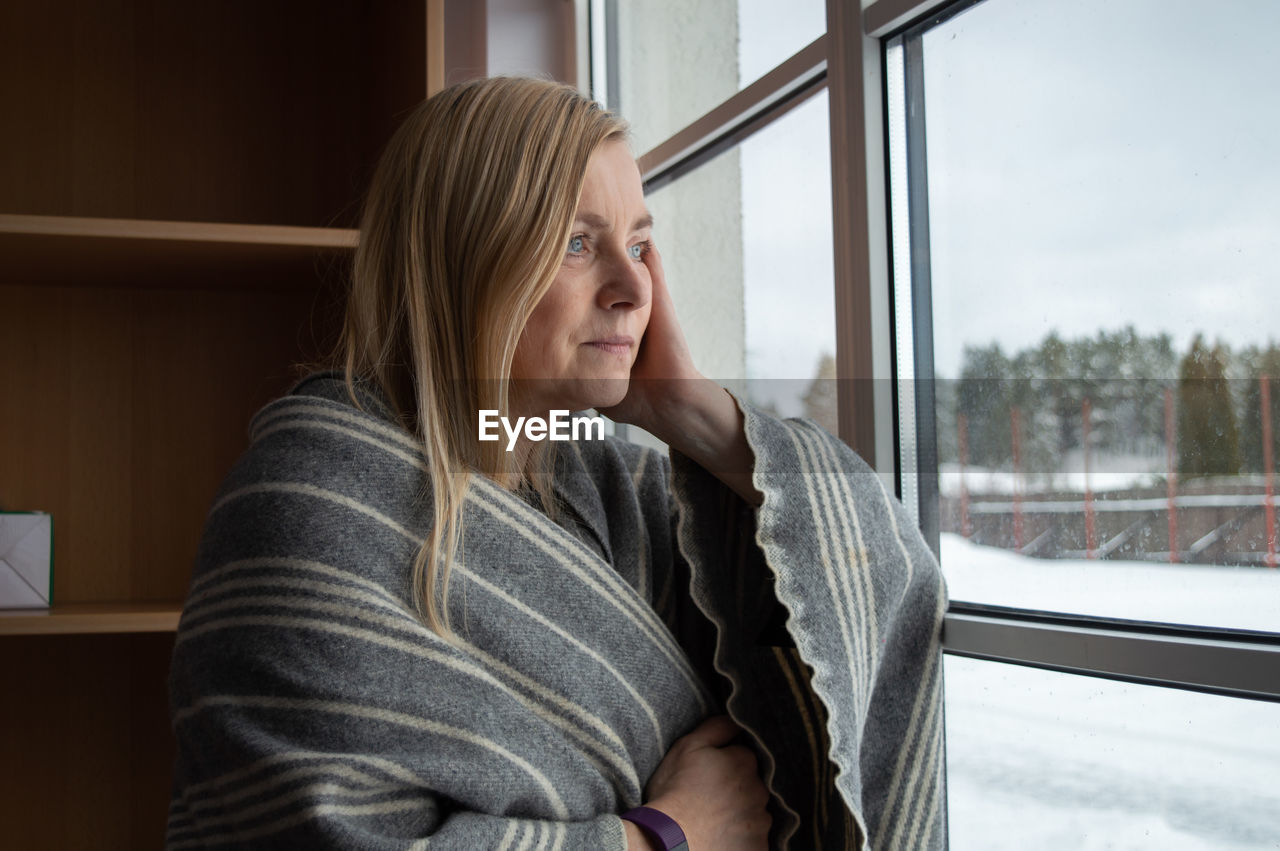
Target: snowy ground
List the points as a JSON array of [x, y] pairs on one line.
[[1219, 596], [1112, 472], [1043, 760]]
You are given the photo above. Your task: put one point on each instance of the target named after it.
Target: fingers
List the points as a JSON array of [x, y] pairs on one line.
[[716, 732], [712, 787], [745, 758], [653, 259], [664, 351]]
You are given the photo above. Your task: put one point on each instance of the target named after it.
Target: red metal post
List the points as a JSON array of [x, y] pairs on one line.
[[1172, 475], [1015, 420], [1090, 532], [965, 528], [1267, 461]]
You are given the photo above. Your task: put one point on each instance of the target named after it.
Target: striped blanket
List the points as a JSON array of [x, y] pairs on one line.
[[311, 708]]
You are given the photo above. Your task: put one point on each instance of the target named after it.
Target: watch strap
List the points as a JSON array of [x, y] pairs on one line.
[[658, 825]]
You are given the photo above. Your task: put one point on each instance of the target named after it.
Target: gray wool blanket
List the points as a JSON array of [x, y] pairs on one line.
[[312, 709]]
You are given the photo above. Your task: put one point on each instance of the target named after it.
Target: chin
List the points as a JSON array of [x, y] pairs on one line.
[[603, 392]]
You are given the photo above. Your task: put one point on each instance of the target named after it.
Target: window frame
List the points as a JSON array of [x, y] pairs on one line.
[[1239, 663], [847, 63], [878, 391]]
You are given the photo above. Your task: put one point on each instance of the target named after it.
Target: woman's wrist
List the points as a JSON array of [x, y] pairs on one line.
[[636, 838], [702, 421], [662, 831]]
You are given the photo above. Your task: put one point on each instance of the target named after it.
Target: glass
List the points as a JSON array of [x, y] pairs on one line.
[[746, 245], [1039, 759], [677, 60], [1102, 229]]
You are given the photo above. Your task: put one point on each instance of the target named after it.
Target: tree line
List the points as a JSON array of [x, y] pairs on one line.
[[1125, 376]]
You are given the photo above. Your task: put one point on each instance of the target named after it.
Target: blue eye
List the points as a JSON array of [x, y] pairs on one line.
[[577, 244], [638, 250]]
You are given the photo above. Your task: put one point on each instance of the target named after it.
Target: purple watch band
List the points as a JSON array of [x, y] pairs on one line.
[[659, 826]]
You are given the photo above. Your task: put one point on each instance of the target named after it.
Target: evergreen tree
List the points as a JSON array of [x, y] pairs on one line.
[[1039, 422], [1123, 373], [1259, 363], [1053, 366], [983, 396], [1208, 443], [944, 402], [1154, 368], [820, 397]]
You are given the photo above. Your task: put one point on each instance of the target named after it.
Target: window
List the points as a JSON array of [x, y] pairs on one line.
[[742, 215], [1099, 205], [747, 251], [675, 61], [1083, 234], [1033, 210], [1039, 759]]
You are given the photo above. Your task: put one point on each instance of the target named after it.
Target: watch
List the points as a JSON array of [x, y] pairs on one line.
[[658, 825]]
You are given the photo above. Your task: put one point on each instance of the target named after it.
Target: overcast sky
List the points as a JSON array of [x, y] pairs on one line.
[[786, 222], [1092, 164], [1096, 163]]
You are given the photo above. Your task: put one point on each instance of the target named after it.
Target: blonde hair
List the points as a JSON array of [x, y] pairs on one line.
[[463, 230]]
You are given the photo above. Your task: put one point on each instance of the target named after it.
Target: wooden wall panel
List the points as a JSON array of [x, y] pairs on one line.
[[394, 70], [236, 111], [123, 398], [85, 741], [122, 409]]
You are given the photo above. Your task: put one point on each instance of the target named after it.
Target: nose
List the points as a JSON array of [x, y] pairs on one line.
[[625, 284]]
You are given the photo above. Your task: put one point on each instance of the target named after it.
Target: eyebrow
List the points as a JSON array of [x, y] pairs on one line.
[[601, 223]]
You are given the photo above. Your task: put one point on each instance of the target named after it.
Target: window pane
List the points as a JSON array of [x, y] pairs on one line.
[[676, 60], [746, 245], [1038, 759], [1102, 231]]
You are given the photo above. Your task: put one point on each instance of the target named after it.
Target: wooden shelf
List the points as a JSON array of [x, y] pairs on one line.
[[178, 195], [91, 618], [64, 250]]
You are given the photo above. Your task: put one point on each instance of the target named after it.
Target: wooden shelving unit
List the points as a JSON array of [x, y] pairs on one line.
[[179, 184], [66, 250], [91, 619]]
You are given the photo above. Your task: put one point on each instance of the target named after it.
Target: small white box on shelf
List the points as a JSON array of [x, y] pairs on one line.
[[26, 559]]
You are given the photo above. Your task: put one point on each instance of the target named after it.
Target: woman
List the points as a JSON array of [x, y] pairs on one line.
[[401, 635]]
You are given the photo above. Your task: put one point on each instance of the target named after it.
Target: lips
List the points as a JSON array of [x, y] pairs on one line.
[[612, 345]]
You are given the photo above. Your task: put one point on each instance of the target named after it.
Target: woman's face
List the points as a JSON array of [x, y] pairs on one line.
[[577, 349]]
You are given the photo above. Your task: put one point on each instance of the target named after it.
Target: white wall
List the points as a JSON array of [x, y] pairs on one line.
[[677, 60]]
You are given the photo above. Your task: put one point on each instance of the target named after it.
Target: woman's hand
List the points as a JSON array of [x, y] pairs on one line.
[[663, 372], [712, 789], [671, 400]]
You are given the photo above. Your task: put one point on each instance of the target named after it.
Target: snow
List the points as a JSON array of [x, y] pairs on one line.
[[1038, 759], [1203, 595], [1064, 506], [1106, 473]]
